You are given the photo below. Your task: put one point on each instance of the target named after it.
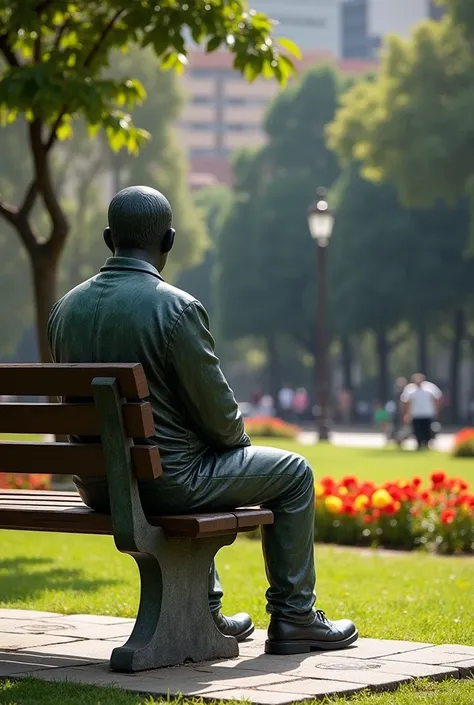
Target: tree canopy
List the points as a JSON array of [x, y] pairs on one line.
[[411, 125], [55, 56]]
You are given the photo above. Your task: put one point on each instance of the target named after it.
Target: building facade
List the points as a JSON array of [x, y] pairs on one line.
[[313, 24], [364, 23], [224, 112]]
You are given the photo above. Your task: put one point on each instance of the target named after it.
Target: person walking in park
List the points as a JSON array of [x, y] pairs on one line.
[[421, 401], [128, 313]]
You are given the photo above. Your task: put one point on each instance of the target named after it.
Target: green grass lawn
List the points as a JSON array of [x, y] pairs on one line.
[[35, 692], [389, 595], [378, 464]]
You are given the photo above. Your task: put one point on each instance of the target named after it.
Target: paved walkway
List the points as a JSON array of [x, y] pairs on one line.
[[354, 439], [76, 648]]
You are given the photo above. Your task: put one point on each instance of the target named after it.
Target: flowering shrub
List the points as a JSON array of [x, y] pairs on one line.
[[400, 514], [270, 427], [464, 443], [24, 482]]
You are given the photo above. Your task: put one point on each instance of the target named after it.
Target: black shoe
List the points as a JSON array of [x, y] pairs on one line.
[[239, 625], [290, 638]]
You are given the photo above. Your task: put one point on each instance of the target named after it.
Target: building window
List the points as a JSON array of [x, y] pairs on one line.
[[202, 99], [201, 126], [289, 20]]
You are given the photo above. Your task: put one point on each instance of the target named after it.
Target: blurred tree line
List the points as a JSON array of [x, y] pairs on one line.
[[400, 283]]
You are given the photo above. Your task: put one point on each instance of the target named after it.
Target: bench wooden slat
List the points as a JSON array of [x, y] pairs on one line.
[[36, 513], [56, 380], [72, 419], [86, 460]]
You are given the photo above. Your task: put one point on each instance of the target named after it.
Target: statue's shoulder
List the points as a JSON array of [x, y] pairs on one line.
[[173, 295]]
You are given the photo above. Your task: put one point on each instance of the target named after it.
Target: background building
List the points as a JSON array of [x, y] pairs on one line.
[[313, 24], [224, 113], [364, 23]]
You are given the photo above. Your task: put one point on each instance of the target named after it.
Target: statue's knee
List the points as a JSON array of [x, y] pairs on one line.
[[303, 469]]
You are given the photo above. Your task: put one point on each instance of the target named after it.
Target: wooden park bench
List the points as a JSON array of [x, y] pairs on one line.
[[173, 553]]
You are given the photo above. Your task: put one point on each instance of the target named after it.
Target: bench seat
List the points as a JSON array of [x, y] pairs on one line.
[[37, 510]]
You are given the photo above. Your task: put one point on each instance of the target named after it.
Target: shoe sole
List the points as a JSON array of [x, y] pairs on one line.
[[283, 648], [245, 634]]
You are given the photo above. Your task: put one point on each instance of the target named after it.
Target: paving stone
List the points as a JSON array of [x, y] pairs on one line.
[[141, 682], [84, 630], [260, 697], [25, 614], [92, 619], [436, 655], [13, 642], [377, 648], [19, 661], [315, 687], [466, 668], [361, 672], [89, 649], [309, 663]]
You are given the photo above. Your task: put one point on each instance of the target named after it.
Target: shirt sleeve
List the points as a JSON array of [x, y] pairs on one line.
[[206, 396], [405, 395], [434, 390]]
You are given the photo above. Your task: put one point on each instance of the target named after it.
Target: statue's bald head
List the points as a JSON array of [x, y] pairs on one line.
[[139, 218]]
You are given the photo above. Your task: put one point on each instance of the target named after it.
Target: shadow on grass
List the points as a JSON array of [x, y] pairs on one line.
[[26, 578]]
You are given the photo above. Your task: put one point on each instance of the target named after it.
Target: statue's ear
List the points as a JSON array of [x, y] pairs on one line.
[[108, 240], [168, 241]]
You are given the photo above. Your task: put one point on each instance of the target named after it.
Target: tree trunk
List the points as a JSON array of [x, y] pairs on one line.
[[45, 269], [273, 370], [422, 349], [454, 365], [383, 350]]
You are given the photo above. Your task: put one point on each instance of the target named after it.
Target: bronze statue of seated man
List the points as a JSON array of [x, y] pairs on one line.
[[128, 313]]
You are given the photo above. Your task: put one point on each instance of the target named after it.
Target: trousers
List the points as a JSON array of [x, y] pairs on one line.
[[248, 476]]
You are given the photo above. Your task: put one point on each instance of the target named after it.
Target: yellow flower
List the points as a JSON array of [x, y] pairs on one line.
[[361, 502], [343, 491], [319, 491], [333, 504], [381, 498]]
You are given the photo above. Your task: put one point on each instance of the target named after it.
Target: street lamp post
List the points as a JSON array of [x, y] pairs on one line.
[[321, 224]]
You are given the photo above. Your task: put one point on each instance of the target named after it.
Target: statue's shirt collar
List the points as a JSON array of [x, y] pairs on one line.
[[130, 264]]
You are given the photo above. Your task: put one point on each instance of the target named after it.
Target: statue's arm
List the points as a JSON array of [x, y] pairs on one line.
[[202, 387]]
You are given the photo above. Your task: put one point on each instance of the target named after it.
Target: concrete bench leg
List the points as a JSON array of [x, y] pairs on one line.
[[174, 623]]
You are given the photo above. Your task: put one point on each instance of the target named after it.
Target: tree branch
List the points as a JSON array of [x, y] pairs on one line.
[[8, 212], [45, 186], [8, 52], [29, 200], [87, 62]]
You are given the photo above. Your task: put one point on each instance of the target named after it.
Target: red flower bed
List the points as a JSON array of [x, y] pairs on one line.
[[270, 427], [22, 481], [463, 446], [401, 514]]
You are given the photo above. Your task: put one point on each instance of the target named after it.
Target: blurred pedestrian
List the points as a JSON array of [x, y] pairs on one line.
[[285, 401], [300, 403], [421, 401]]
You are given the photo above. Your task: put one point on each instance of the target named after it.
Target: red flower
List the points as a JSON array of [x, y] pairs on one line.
[[438, 477], [447, 516], [416, 482], [349, 481]]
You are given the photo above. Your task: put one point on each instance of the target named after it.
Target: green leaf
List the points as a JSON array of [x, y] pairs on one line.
[[291, 47], [64, 131], [213, 44]]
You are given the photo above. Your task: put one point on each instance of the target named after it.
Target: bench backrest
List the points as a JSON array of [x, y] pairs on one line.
[[73, 418]]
